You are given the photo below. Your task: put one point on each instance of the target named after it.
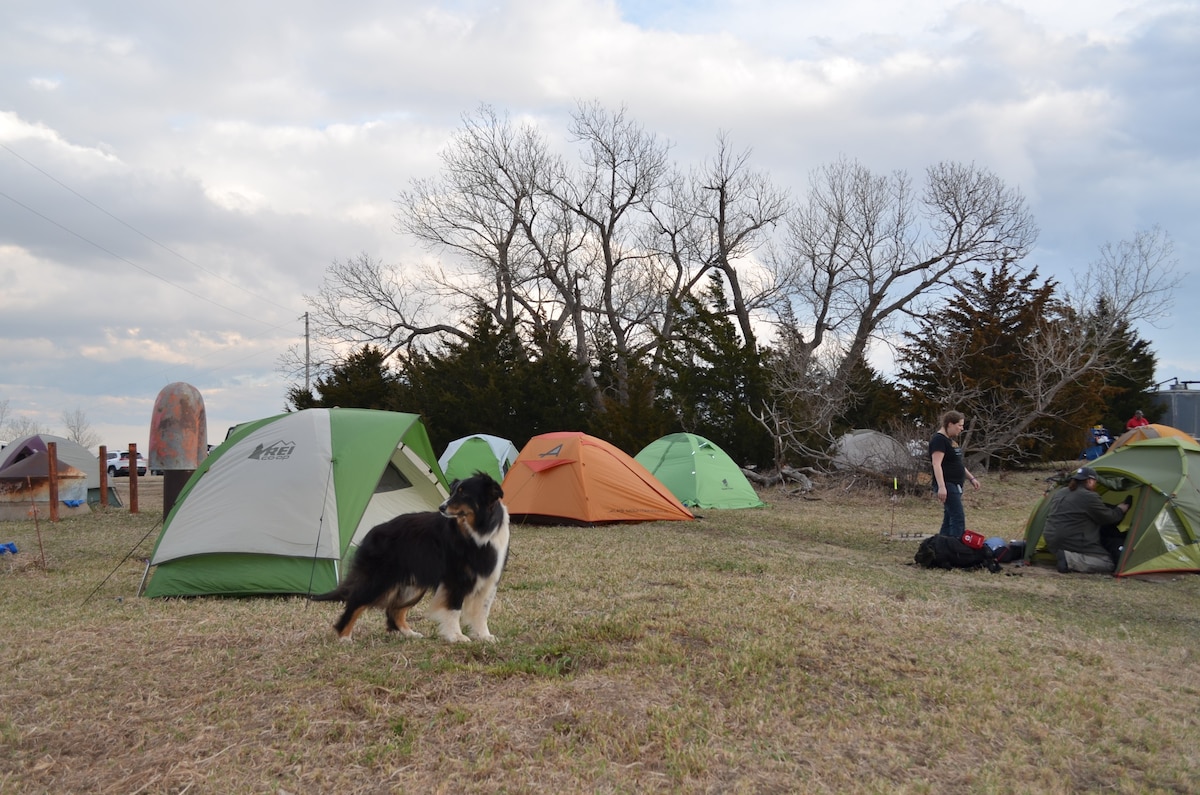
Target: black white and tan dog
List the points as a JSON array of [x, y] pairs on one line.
[[458, 552]]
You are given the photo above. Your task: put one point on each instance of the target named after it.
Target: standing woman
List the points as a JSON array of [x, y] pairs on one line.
[[949, 473]]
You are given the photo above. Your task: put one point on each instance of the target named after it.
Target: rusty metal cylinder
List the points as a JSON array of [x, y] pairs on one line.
[[178, 437]]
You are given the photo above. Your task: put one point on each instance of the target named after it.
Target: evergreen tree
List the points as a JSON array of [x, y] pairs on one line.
[[711, 378], [492, 384], [967, 355], [639, 419], [876, 402], [552, 395], [362, 381], [1130, 378]]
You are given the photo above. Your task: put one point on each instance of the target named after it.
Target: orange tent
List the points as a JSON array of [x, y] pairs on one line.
[[572, 478], [1151, 431]]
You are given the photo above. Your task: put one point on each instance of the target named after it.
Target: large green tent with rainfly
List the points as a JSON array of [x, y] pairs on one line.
[[1162, 527], [280, 505]]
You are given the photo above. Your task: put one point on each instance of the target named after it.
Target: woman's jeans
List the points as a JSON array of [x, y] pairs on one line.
[[954, 521]]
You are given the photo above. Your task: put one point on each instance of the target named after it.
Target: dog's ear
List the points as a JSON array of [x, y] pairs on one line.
[[496, 492]]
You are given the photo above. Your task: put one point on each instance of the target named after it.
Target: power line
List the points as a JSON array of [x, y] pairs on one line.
[[209, 369], [269, 327], [134, 229], [198, 360], [131, 263]]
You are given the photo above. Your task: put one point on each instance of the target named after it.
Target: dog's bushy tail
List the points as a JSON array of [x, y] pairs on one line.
[[338, 594]]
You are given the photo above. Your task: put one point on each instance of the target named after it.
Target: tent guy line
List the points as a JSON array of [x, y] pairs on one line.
[[136, 231], [133, 264]]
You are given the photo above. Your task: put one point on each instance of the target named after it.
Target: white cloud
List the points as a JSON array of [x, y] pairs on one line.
[[189, 171]]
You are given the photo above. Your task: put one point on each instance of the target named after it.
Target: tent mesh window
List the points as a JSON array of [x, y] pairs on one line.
[[392, 479]]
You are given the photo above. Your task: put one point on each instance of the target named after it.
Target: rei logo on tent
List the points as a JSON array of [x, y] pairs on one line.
[[276, 451], [554, 451]]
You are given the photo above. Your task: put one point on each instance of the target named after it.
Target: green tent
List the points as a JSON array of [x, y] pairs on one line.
[[1163, 525], [480, 452], [280, 505], [699, 473]]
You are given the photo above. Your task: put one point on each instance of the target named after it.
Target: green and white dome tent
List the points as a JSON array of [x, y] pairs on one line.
[[280, 505], [480, 452]]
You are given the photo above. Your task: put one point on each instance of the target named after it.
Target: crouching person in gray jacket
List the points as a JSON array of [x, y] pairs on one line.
[[1074, 523]]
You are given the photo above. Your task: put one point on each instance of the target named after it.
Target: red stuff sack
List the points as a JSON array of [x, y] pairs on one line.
[[972, 539]]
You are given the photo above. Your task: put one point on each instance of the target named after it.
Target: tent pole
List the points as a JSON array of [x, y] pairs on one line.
[[142, 585]]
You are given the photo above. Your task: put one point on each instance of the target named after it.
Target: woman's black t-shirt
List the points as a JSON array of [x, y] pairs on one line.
[[953, 470]]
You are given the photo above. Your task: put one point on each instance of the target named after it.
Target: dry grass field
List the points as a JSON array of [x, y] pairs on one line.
[[789, 649]]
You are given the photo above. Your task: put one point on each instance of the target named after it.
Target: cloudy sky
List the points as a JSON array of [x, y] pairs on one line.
[[175, 178]]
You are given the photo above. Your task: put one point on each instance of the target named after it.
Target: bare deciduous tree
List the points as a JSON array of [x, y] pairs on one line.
[[598, 251], [719, 218], [622, 169], [364, 301], [1133, 279], [864, 249], [807, 398], [482, 210], [1130, 283], [79, 428], [20, 425]]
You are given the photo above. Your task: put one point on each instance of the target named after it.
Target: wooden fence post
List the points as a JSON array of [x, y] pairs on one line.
[[133, 478], [103, 476], [52, 471]]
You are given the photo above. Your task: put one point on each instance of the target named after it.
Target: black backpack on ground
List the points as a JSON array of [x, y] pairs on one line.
[[946, 552]]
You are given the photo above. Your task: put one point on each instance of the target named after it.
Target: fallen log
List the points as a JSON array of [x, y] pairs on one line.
[[784, 475]]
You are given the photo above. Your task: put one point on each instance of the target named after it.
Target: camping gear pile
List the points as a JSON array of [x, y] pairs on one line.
[[947, 552], [1099, 440]]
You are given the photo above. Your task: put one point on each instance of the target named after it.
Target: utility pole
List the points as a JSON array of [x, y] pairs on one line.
[[306, 354]]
